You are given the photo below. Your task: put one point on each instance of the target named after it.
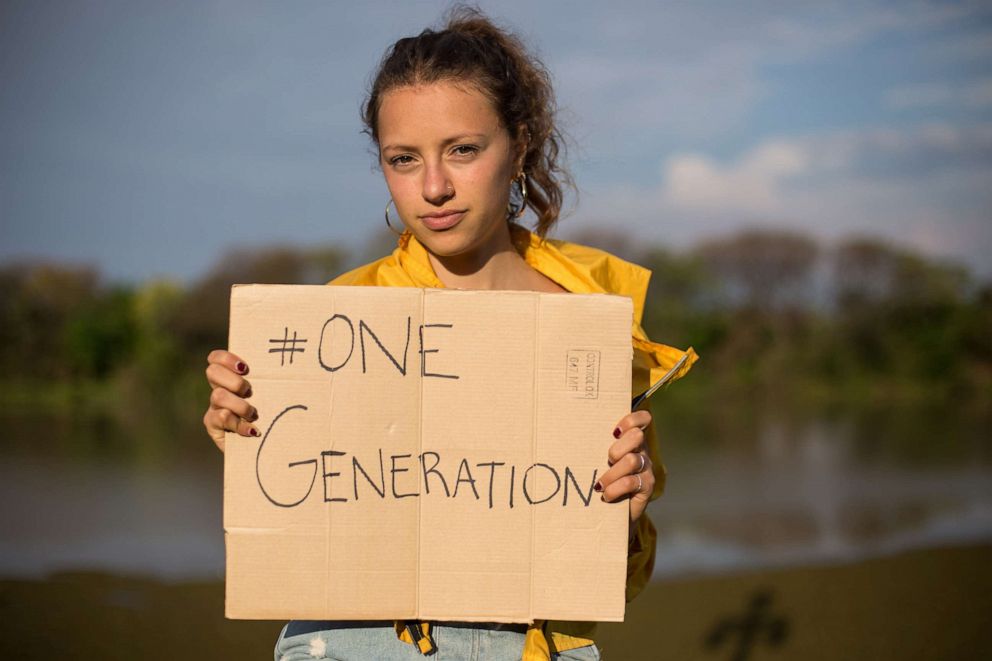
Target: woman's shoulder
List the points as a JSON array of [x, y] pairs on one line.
[[598, 269], [590, 255]]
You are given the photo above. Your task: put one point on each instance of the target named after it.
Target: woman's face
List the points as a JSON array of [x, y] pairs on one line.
[[448, 163]]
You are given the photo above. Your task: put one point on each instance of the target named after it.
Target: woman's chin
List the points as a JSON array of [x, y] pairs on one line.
[[464, 240], [444, 248]]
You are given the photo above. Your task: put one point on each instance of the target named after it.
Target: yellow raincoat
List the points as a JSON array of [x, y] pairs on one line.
[[577, 269]]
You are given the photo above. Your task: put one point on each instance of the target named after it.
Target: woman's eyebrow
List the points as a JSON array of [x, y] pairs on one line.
[[461, 137]]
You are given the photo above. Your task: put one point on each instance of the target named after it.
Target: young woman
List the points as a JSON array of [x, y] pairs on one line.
[[463, 120]]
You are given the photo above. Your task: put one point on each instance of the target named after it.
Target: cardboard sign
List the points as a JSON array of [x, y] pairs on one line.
[[426, 454]]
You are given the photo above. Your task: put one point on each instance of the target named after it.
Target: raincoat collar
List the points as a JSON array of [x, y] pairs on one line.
[[578, 269]]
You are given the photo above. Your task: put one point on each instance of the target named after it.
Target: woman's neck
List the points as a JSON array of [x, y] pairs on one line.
[[499, 267], [495, 270]]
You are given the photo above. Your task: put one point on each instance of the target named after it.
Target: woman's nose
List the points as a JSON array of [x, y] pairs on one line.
[[438, 188]]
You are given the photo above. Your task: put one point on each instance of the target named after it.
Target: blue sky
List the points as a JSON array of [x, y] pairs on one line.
[[148, 138]]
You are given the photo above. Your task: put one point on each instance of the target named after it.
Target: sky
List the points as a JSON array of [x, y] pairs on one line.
[[148, 138]]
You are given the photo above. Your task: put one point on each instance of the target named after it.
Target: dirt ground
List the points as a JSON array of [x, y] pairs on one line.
[[933, 604]]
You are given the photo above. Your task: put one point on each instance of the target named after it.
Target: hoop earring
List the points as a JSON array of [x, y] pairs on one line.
[[515, 209], [388, 224]]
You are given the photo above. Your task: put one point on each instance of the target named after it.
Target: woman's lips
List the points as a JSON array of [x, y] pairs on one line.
[[438, 222]]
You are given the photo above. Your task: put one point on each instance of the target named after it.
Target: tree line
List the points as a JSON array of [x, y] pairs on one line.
[[766, 309]]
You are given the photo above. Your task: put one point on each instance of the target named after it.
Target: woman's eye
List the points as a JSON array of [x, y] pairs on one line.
[[402, 159], [465, 150]]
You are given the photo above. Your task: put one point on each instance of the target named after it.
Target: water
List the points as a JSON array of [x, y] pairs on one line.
[[812, 496], [746, 490], [72, 515]]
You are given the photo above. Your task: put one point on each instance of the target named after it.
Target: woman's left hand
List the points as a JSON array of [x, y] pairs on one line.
[[630, 474]]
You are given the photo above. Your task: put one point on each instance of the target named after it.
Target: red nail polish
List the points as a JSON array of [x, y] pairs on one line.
[[248, 392], [254, 432], [241, 367], [597, 486], [617, 432]]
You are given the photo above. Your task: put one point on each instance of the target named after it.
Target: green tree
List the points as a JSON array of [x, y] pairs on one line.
[[900, 313], [37, 304], [101, 335], [763, 269], [201, 319]]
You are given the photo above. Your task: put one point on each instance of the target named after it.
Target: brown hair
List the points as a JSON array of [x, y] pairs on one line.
[[471, 48]]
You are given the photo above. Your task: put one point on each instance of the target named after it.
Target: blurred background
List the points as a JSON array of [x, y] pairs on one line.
[[811, 184]]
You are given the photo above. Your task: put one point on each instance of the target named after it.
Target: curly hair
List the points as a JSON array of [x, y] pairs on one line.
[[471, 49]]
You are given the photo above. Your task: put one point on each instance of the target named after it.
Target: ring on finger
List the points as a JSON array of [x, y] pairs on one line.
[[644, 462], [640, 483]]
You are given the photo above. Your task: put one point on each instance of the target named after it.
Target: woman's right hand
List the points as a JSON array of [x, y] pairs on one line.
[[228, 410]]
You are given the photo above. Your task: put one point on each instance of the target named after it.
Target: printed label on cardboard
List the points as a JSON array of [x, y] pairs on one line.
[[582, 373]]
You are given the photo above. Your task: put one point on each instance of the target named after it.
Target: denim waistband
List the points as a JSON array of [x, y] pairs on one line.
[[300, 627]]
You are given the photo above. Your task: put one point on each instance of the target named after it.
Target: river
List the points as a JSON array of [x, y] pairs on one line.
[[774, 490]]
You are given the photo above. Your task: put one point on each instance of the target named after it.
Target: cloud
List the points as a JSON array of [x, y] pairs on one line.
[[752, 185], [829, 26], [927, 185], [672, 75], [973, 94], [766, 178]]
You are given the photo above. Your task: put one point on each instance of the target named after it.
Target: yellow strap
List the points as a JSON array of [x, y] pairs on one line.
[[535, 644], [416, 633], [538, 648], [564, 642]]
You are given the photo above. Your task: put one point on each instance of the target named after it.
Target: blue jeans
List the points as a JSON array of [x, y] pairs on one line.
[[362, 641]]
